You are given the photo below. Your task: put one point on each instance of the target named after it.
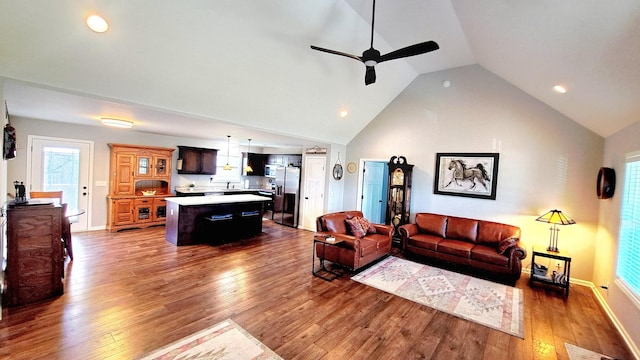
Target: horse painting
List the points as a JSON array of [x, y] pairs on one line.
[[462, 173]]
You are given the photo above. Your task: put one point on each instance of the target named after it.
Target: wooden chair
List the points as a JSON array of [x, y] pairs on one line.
[[47, 194], [66, 224], [66, 232]]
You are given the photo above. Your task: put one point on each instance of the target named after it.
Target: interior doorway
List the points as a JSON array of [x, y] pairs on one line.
[[373, 189], [314, 174], [62, 164]]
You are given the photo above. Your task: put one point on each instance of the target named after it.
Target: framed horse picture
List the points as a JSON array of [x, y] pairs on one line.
[[467, 174]]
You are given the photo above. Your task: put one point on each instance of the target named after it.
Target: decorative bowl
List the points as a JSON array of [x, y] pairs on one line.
[[148, 192]]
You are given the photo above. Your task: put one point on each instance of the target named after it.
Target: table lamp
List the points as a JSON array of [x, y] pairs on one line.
[[555, 217]]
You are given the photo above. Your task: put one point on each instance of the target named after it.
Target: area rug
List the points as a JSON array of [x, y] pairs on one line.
[[487, 303], [225, 340], [578, 353]]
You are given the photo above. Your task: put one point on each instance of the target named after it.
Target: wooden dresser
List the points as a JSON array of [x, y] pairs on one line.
[[134, 171], [34, 254]]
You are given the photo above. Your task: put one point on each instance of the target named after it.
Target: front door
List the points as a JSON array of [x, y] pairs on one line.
[[62, 164]]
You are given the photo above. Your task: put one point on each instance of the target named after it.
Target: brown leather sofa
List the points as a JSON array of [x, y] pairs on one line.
[[354, 252], [491, 249]]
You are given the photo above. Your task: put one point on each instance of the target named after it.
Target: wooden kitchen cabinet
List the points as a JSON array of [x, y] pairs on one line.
[[194, 160], [122, 211], [258, 162], [34, 254], [123, 174], [134, 170]]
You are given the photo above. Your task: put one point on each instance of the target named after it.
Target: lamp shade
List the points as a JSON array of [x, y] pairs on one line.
[[556, 217], [248, 168], [227, 166]]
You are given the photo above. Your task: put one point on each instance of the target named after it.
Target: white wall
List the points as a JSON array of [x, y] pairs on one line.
[[628, 313], [3, 162], [547, 161]]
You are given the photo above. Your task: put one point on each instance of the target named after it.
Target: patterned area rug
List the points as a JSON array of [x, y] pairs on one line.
[[578, 353], [491, 304], [225, 340]]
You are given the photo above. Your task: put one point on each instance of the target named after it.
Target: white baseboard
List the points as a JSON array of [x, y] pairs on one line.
[[605, 306]]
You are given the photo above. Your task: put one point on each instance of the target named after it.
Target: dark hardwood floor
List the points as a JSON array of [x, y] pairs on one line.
[[131, 292]]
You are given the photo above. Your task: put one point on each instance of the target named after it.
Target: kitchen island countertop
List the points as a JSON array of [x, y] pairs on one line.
[[216, 199]]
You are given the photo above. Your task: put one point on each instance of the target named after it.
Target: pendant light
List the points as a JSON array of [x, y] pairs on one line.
[[248, 169], [227, 166]]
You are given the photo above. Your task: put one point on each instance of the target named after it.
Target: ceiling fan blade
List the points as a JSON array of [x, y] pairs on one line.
[[412, 50], [370, 75], [355, 57]]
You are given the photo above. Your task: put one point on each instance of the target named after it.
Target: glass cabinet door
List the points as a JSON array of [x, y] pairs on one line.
[[144, 166], [161, 166]]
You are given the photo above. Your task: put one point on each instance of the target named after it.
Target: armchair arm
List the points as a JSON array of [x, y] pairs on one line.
[[322, 234], [384, 229]]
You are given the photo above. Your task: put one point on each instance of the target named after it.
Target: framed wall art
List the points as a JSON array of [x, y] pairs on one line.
[[467, 174]]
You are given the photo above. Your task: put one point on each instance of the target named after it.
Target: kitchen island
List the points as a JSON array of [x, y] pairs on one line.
[[213, 219]]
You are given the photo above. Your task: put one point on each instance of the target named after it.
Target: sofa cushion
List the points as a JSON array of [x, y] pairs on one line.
[[433, 224], [462, 229], [367, 225], [355, 227], [488, 254], [492, 232], [506, 244], [368, 246], [456, 247], [335, 223], [425, 241]]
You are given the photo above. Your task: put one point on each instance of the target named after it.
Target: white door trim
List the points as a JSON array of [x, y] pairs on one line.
[[31, 138]]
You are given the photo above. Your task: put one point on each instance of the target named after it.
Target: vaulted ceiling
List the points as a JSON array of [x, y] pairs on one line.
[[205, 69]]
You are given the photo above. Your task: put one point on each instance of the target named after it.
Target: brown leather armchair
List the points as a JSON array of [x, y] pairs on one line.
[[353, 252]]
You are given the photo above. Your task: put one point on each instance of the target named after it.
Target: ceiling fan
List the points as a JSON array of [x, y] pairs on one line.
[[371, 57]]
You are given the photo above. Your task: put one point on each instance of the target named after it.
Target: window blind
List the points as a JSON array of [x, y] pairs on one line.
[[628, 269]]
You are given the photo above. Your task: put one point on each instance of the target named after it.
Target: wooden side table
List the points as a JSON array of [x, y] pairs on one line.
[[323, 240], [549, 278]]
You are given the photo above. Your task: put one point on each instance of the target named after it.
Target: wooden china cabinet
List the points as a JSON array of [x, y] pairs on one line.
[[135, 171], [399, 194]]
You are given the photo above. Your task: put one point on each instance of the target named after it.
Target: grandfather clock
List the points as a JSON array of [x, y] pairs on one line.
[[399, 193]]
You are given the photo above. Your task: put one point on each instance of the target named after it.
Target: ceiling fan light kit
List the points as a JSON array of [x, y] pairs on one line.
[[371, 57]]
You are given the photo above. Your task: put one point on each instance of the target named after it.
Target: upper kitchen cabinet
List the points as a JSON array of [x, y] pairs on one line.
[[285, 160], [194, 160], [134, 168], [258, 162]]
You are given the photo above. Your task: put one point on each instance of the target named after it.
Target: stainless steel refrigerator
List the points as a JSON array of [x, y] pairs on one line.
[[286, 200]]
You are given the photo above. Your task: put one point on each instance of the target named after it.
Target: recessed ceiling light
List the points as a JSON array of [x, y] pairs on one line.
[[344, 113], [560, 89], [97, 24], [125, 124]]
